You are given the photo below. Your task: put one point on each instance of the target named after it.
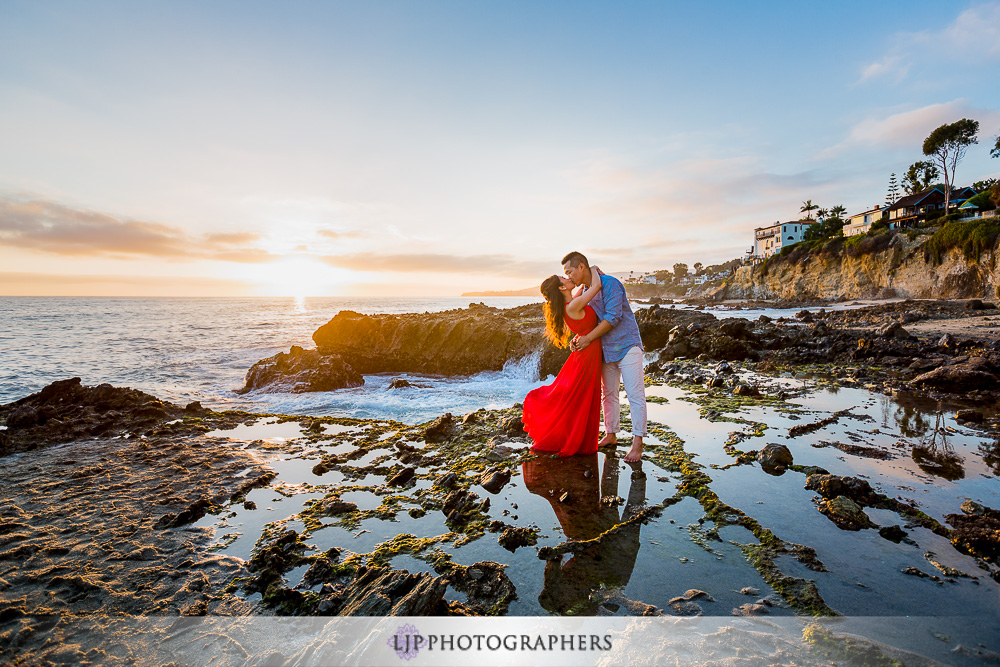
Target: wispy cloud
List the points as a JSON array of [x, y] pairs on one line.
[[499, 265], [55, 228], [910, 128], [972, 38]]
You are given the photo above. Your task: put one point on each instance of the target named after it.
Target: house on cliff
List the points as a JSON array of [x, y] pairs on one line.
[[860, 223], [770, 240], [915, 209]]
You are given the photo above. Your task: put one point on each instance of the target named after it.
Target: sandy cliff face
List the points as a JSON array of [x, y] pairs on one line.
[[899, 270]]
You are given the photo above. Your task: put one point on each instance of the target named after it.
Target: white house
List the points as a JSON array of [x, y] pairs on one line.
[[770, 240], [860, 223]]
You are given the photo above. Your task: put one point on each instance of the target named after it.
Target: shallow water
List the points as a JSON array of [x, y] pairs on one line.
[[655, 562]]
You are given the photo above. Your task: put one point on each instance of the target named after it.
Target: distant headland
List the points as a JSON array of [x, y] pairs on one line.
[[527, 291]]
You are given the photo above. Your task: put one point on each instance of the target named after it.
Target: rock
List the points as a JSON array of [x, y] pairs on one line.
[[455, 342], [193, 512], [892, 533], [764, 319], [298, 371], [497, 451], [892, 330], [723, 368], [947, 341], [381, 592], [471, 418], [402, 477], [195, 407], [512, 426], [774, 457], [513, 537], [68, 410], [749, 590], [446, 481], [846, 513], [691, 594], [977, 530], [973, 374], [831, 486], [751, 609], [400, 383], [494, 479], [716, 382], [685, 608], [969, 416], [977, 304], [336, 507], [743, 389], [804, 316], [440, 429], [249, 505]]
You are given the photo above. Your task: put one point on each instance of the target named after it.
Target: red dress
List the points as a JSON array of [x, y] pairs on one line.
[[565, 417]]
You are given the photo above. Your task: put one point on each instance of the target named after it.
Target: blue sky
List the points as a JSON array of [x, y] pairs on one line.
[[440, 147]]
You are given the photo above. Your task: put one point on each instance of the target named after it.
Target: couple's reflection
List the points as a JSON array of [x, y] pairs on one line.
[[608, 562]]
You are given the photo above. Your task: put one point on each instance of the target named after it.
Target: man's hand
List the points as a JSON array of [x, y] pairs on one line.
[[579, 343], [597, 269]]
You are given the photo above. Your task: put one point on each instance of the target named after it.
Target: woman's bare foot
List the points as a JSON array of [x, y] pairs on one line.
[[635, 454], [609, 439]]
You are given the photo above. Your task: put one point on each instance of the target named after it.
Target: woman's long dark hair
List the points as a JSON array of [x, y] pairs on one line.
[[555, 312]]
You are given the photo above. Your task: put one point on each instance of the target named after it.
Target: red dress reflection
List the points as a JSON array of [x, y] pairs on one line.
[[565, 417]]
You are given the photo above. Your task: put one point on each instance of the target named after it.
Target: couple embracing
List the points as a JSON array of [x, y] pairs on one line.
[[564, 417]]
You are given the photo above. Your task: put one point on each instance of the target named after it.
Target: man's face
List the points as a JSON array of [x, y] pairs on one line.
[[574, 273]]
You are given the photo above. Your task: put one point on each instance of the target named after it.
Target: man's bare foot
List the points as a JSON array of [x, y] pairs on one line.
[[634, 454], [609, 439]]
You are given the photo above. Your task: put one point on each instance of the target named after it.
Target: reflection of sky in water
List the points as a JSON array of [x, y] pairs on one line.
[[660, 560]]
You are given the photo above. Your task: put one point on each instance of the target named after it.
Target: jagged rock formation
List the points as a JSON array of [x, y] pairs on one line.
[[455, 342], [68, 410], [901, 269]]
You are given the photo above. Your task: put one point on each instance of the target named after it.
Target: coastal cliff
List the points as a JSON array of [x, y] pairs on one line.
[[894, 265]]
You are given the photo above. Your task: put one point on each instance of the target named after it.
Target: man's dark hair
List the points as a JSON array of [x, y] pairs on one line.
[[576, 258]]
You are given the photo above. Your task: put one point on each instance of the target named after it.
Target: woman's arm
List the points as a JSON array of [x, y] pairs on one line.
[[575, 307]]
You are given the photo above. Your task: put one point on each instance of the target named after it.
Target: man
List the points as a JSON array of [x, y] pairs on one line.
[[623, 353]]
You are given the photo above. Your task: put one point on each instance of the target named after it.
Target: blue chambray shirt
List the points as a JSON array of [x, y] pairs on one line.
[[612, 305]]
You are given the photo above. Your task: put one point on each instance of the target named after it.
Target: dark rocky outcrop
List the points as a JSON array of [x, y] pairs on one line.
[[299, 371], [774, 458], [977, 531], [454, 342], [975, 373], [69, 410]]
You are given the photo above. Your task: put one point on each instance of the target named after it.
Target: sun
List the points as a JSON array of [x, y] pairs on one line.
[[300, 277]]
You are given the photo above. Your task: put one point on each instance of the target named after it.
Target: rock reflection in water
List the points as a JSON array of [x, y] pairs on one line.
[[603, 563]]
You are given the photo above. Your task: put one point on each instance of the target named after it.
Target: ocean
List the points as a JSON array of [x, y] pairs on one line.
[[199, 349]]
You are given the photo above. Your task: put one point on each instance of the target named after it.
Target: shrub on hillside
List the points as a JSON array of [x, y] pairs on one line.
[[869, 243], [974, 237]]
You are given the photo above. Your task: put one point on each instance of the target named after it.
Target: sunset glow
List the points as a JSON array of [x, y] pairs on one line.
[[359, 148]]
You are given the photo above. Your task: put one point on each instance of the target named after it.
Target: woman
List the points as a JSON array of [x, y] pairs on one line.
[[564, 417]]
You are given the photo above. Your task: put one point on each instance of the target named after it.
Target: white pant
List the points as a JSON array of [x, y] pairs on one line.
[[629, 372]]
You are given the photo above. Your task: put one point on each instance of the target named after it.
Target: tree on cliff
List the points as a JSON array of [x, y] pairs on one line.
[[996, 149], [808, 207], [919, 177], [947, 145], [680, 269], [831, 226], [697, 267], [893, 194]]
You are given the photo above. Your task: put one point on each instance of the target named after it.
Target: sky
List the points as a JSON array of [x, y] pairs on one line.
[[432, 148]]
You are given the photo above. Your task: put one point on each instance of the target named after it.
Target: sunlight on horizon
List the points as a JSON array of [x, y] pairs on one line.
[[298, 277]]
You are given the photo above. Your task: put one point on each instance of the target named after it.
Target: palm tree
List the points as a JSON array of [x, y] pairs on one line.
[[822, 213], [808, 207], [838, 211]]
